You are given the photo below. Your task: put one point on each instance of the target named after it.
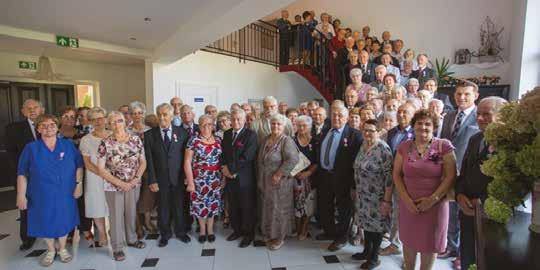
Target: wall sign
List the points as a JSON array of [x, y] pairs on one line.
[[71, 42], [27, 65], [198, 99]]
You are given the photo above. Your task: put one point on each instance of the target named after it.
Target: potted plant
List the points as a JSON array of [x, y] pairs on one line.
[[444, 76], [515, 160]]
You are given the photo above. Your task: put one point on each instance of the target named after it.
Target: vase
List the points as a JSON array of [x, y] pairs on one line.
[[535, 222]]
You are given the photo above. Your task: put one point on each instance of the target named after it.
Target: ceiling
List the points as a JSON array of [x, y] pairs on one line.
[[35, 47], [115, 21]]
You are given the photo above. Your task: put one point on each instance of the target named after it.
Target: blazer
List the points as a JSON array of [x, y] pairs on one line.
[[18, 135], [349, 144], [165, 167], [368, 73], [195, 130], [240, 156], [468, 128], [324, 130], [448, 106], [471, 182], [393, 132], [423, 75]]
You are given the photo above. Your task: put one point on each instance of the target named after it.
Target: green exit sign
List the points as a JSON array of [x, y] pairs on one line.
[[27, 65], [67, 42]]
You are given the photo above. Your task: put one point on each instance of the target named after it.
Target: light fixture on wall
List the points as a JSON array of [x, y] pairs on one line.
[[147, 19], [133, 38]]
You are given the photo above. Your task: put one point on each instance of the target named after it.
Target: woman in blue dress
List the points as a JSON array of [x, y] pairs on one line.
[[48, 183]]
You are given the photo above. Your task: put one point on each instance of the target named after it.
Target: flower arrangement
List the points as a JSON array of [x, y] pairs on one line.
[[481, 80], [514, 165]]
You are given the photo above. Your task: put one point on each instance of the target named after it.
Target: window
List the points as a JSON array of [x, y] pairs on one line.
[[85, 95]]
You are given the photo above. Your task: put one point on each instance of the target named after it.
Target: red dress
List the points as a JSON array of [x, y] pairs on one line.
[[335, 45]]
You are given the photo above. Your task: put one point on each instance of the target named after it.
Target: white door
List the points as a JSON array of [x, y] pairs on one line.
[[197, 96]]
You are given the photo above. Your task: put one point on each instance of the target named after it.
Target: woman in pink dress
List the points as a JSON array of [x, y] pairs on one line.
[[424, 171]]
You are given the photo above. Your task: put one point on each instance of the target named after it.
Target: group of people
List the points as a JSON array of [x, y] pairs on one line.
[[378, 164], [341, 50]]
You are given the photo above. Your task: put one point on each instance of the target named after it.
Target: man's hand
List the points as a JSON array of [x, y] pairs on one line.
[[466, 205], [154, 187]]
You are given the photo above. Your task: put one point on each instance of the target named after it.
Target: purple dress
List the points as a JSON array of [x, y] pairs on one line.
[[424, 232]]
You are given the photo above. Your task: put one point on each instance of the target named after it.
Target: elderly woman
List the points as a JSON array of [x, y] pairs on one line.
[[392, 89], [277, 157], [358, 85], [303, 197], [121, 163], [203, 176], [48, 182], [425, 96], [223, 120], [292, 114], [371, 94], [353, 63], [408, 55], [424, 171], [94, 194], [389, 121], [373, 176], [354, 118], [412, 88]]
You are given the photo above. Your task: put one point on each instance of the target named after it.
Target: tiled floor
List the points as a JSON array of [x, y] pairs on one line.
[[294, 255]]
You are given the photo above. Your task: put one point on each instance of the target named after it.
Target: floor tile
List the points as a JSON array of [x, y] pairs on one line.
[[2, 236], [152, 236], [208, 252], [150, 262], [36, 253], [331, 259]]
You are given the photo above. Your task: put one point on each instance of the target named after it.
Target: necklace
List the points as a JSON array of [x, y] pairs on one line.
[[207, 138], [422, 152]]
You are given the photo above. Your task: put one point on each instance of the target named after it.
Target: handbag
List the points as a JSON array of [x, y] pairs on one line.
[[302, 164]]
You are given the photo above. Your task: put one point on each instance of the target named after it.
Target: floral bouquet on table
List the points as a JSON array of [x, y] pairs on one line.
[[515, 162]]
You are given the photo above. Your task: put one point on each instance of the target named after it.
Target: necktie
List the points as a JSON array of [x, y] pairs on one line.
[[457, 125], [166, 139], [234, 136], [328, 146]]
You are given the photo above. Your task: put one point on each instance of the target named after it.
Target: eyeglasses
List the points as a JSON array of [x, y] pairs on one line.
[[48, 126], [137, 113], [118, 121], [68, 116]]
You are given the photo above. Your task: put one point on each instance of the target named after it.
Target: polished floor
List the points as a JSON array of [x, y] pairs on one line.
[[221, 255]]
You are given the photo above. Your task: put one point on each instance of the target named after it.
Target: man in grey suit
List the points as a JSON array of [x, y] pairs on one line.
[[458, 127]]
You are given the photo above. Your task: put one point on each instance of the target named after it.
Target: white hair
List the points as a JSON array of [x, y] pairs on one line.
[[113, 114], [498, 102], [270, 99], [239, 112], [380, 67], [282, 119], [390, 114], [342, 109], [426, 92], [137, 105], [355, 71], [438, 101], [306, 119], [303, 104], [25, 103], [169, 107], [205, 117], [93, 111], [413, 80]]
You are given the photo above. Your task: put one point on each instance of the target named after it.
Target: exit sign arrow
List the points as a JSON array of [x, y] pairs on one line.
[[64, 41]]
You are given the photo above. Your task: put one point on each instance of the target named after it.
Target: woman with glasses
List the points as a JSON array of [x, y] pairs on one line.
[[121, 163], [48, 182], [202, 167], [94, 195]]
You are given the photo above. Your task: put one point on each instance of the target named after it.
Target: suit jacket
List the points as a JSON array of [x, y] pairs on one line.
[[468, 128], [368, 73], [448, 106], [392, 133], [349, 144], [324, 130], [195, 130], [471, 181], [18, 135], [240, 156], [165, 167], [423, 75]]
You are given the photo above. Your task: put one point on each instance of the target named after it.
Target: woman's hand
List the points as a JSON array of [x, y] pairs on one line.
[[425, 203], [302, 176], [78, 191], [276, 178], [411, 206], [386, 208], [190, 187], [22, 202], [125, 186]]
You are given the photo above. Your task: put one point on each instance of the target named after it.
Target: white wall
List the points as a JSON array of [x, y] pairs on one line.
[[236, 82], [530, 65], [118, 84], [436, 27]]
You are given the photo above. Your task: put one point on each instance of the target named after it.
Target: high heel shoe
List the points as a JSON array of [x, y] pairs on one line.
[[202, 239]]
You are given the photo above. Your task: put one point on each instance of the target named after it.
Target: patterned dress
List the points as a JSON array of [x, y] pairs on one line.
[[302, 189], [372, 173], [122, 160], [205, 200]]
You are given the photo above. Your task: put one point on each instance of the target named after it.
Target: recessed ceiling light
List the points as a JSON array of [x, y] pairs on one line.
[[132, 38], [147, 19]]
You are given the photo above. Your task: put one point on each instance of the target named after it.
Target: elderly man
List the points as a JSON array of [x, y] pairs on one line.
[[412, 87], [397, 46], [386, 38], [406, 72], [338, 150], [423, 72], [164, 147], [380, 72], [387, 49], [303, 108], [342, 60], [320, 122], [386, 61], [282, 107], [239, 157], [458, 127], [18, 134], [365, 32], [247, 108], [432, 85], [187, 117], [312, 106], [436, 106], [211, 110], [367, 67], [471, 185], [176, 103], [351, 98], [262, 125]]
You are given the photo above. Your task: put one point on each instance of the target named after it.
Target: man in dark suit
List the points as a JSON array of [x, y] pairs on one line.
[[471, 185], [423, 72], [351, 98], [338, 150], [342, 59], [164, 147], [284, 27], [367, 67], [187, 117], [238, 159], [19, 134], [320, 123], [431, 85], [458, 127]]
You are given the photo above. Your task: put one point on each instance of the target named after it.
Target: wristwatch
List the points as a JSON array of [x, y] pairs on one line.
[[436, 197]]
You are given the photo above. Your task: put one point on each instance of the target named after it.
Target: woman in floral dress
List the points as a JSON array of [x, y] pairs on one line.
[[202, 167]]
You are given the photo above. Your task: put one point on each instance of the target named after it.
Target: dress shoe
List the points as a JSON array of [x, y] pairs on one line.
[[371, 264], [324, 237], [26, 245], [360, 256], [202, 239], [184, 238], [447, 254], [211, 238], [335, 246], [246, 241], [233, 236], [163, 242]]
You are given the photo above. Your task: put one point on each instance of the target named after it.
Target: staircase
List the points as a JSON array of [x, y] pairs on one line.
[[260, 42]]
